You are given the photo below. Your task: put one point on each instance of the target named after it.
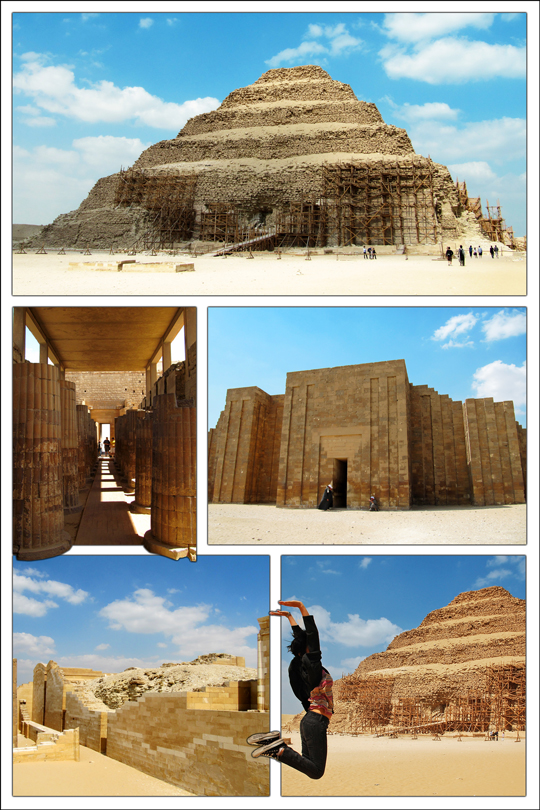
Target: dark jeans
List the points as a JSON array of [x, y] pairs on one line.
[[312, 761]]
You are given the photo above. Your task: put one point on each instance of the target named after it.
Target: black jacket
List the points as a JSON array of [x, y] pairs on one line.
[[306, 672]]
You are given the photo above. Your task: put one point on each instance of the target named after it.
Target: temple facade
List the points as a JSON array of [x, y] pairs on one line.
[[369, 431]]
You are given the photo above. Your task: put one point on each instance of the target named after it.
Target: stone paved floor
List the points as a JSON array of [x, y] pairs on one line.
[[106, 519]]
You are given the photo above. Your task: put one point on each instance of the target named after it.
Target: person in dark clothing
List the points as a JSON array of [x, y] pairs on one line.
[[461, 255], [327, 500], [470, 251], [491, 250], [312, 685], [106, 446], [449, 254]]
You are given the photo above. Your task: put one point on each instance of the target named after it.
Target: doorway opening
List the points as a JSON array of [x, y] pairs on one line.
[[340, 483]]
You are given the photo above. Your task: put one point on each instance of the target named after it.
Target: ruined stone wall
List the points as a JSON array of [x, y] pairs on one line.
[[438, 450], [50, 748], [103, 387], [202, 751], [85, 712], [356, 414]]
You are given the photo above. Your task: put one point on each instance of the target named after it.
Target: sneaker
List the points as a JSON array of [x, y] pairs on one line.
[[270, 750], [263, 737]]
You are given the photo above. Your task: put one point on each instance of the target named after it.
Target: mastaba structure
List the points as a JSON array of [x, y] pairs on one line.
[[369, 431], [292, 159]]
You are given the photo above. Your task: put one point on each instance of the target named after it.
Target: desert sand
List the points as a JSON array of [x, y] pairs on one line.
[[255, 524], [93, 775], [266, 274], [381, 766]]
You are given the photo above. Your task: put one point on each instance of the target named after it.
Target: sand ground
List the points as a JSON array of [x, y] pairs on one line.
[[370, 766], [93, 775], [265, 274], [254, 524]]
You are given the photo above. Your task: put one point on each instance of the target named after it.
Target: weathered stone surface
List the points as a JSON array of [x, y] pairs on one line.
[[266, 147], [368, 430]]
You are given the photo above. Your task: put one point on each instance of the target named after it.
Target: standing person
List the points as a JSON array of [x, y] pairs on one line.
[[470, 251], [373, 253], [475, 254], [496, 249], [449, 254], [106, 446], [461, 256], [365, 252], [480, 250], [327, 500], [491, 251], [99, 448], [312, 685]]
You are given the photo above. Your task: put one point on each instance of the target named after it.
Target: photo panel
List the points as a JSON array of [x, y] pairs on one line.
[[385, 655], [367, 425]]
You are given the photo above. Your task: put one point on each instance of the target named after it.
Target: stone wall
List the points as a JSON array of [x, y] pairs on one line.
[[202, 751], [368, 431], [90, 716], [101, 388], [50, 747]]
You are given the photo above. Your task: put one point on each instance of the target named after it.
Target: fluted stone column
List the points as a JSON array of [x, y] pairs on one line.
[[38, 513], [70, 451], [174, 480], [87, 446], [143, 466]]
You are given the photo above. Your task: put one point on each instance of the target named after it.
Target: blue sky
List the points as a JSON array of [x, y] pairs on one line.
[[92, 90], [109, 613], [360, 603], [460, 351]]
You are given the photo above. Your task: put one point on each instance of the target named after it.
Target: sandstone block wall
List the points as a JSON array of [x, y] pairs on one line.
[[90, 716], [494, 452], [99, 388], [50, 748], [201, 751], [438, 449], [368, 431], [245, 461]]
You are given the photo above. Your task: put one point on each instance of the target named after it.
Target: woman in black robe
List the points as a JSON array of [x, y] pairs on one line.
[[327, 500]]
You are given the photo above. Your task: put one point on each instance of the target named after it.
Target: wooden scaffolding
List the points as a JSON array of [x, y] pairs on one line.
[[381, 204], [168, 202], [498, 705]]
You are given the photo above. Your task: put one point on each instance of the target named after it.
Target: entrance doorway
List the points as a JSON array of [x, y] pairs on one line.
[[340, 483]]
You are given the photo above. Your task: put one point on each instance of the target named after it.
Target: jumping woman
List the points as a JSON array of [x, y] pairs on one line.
[[312, 685]]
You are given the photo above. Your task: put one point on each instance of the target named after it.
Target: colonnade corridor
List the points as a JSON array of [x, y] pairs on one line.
[[106, 518]]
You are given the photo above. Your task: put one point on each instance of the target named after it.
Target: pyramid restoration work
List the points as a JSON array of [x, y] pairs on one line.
[[293, 159], [369, 431]]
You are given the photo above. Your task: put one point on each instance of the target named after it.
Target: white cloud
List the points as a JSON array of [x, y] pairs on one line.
[[172, 21], [417, 27], [431, 110], [365, 561], [147, 613], [350, 664], [503, 382], [504, 325], [161, 644], [503, 567], [60, 590], [102, 647], [476, 171], [49, 181], [499, 140], [456, 325], [355, 632], [338, 43], [27, 644], [31, 607], [146, 22], [52, 88], [456, 344], [454, 60]]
